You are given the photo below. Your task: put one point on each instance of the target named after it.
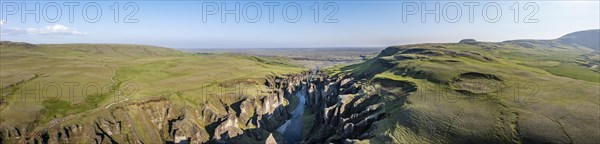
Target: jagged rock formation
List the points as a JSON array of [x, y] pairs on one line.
[[274, 138], [465, 95], [344, 112], [159, 119]]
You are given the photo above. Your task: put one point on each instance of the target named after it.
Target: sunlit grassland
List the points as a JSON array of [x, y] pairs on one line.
[[534, 82], [54, 81]]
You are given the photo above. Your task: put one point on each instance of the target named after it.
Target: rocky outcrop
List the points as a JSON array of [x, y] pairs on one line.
[[274, 138], [343, 112], [161, 120]]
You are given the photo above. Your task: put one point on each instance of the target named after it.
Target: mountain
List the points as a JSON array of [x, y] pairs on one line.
[[587, 38]]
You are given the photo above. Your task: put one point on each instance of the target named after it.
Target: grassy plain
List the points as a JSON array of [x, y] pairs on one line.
[[45, 82]]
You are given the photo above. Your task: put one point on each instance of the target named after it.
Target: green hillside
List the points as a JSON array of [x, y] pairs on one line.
[[86, 78], [525, 91], [518, 91]]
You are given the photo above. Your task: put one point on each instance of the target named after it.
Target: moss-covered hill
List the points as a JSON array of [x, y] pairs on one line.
[[525, 91]]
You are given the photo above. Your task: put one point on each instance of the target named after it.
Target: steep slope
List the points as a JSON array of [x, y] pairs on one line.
[[588, 38]]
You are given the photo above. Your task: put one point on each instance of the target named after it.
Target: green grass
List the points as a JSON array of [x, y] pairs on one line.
[[574, 71], [56, 108], [534, 81], [152, 71], [560, 62], [440, 111]]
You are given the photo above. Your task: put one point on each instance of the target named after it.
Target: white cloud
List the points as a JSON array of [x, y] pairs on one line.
[[54, 30], [47, 30]]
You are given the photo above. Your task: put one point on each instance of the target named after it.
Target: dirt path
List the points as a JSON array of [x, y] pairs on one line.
[[117, 91]]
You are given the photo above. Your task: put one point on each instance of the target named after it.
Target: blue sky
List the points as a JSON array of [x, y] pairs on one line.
[[357, 23]]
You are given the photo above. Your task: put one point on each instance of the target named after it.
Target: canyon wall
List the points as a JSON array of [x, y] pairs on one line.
[[342, 112]]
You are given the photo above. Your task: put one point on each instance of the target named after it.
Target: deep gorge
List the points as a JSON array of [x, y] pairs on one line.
[[341, 111]]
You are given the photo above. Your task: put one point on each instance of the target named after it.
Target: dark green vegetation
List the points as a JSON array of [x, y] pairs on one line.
[[523, 91]]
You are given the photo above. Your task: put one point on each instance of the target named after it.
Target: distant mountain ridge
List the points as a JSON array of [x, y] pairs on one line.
[[90, 50], [582, 40], [587, 38]]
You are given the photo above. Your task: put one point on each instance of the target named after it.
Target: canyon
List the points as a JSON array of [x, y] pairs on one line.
[[343, 112]]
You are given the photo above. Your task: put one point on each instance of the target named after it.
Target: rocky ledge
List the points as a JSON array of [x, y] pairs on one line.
[[343, 112]]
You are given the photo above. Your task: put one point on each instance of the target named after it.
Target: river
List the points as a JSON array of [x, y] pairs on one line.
[[292, 128]]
